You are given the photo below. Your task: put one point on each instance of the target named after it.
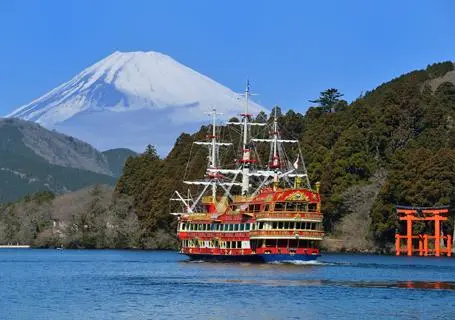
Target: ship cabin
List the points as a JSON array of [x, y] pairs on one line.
[[285, 221]]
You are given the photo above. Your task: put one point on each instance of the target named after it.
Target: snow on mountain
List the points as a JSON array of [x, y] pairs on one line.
[[132, 99]]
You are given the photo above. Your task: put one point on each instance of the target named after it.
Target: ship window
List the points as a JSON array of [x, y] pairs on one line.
[[239, 244], [280, 225], [266, 207], [302, 206], [270, 243], [228, 244], [312, 207], [286, 225], [291, 206], [236, 227], [247, 226], [274, 225], [261, 225], [242, 227], [291, 225], [279, 206], [254, 208]]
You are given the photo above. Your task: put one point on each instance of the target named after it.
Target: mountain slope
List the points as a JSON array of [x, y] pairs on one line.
[[117, 158], [130, 100], [34, 159]]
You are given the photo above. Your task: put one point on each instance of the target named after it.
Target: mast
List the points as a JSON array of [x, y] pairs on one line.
[[278, 167], [275, 159], [213, 150], [246, 152]]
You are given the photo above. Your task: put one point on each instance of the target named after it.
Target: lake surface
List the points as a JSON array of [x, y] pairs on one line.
[[110, 284]]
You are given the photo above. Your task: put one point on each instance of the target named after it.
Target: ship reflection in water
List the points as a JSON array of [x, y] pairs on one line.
[[438, 285]]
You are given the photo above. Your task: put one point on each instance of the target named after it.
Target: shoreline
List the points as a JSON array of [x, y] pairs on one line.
[[15, 246]]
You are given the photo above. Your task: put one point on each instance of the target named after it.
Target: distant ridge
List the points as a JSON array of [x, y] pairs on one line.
[[33, 159]]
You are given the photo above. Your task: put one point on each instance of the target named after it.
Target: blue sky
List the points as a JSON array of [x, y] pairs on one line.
[[290, 50]]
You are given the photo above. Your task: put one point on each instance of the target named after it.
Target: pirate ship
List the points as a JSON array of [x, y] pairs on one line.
[[251, 212]]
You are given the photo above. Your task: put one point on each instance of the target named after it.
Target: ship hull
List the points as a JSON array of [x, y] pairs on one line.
[[259, 258]]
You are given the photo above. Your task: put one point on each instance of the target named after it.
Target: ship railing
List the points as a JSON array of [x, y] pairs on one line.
[[316, 216], [287, 233], [200, 216], [216, 251], [207, 235], [211, 199], [280, 250], [242, 198]]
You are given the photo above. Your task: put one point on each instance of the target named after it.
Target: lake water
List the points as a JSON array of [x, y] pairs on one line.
[[110, 284]]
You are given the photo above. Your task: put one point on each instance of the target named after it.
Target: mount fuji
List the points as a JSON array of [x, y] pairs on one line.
[[131, 99]]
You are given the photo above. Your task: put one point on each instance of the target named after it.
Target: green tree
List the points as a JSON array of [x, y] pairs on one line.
[[150, 151], [328, 99]]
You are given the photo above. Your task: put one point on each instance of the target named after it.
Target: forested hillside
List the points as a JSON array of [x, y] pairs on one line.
[[392, 145], [34, 159]]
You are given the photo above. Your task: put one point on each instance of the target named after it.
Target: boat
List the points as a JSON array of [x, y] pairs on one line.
[[252, 212]]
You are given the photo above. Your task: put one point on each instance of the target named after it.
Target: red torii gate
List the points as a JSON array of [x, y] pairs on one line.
[[436, 214]]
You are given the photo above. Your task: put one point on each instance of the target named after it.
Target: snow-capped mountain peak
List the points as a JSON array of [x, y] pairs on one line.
[[131, 92]]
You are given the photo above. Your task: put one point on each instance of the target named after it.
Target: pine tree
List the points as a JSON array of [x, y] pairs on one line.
[[328, 99]]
